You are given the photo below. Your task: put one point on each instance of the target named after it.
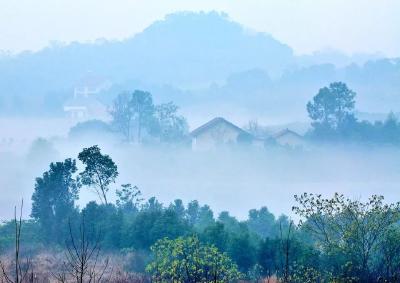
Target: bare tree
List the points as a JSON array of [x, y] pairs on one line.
[[82, 259], [21, 270], [286, 241]]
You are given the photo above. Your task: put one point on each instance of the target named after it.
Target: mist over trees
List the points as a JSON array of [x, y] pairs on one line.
[[53, 200], [136, 117], [261, 69], [332, 112], [332, 107], [100, 171], [336, 239], [90, 128], [169, 156]]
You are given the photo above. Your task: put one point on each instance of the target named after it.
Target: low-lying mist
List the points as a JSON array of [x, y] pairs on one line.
[[234, 179]]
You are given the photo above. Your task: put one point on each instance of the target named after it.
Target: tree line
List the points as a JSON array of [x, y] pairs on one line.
[[332, 111], [336, 240]]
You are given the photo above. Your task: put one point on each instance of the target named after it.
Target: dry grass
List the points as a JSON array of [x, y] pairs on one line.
[[46, 266]]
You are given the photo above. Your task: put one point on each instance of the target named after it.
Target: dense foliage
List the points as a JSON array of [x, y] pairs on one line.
[[332, 112], [100, 171], [187, 260], [336, 240], [53, 199]]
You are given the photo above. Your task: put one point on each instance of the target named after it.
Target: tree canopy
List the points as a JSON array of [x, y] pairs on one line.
[[53, 200], [100, 171], [332, 107]]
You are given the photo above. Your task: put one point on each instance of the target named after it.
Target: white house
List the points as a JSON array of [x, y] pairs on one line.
[[83, 104], [82, 108]]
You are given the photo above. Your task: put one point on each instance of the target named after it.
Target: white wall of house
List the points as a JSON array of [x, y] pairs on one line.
[[76, 112], [218, 135]]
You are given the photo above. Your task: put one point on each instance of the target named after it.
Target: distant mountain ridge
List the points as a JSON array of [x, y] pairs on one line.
[[186, 57], [183, 49]]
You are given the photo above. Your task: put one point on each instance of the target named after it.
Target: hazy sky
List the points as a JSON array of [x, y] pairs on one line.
[[352, 26]]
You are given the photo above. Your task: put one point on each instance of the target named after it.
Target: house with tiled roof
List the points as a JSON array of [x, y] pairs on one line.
[[220, 132]]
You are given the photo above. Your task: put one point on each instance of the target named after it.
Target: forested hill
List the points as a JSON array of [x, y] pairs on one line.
[[183, 49], [208, 54]]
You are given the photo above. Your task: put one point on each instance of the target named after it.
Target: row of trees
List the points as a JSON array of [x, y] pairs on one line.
[[337, 239]]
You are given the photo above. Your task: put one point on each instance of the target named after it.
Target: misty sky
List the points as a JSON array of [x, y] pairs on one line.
[[351, 26]]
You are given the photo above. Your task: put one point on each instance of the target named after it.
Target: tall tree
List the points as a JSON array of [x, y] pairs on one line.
[[53, 199], [142, 107], [100, 171], [171, 126], [122, 115], [332, 107]]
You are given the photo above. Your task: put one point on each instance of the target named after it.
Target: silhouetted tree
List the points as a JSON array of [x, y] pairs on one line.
[[331, 108], [53, 199], [100, 171]]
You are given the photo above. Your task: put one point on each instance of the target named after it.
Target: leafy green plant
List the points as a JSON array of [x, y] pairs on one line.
[[187, 260]]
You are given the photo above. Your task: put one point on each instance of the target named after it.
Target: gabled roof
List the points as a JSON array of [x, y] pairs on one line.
[[285, 132], [214, 122]]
